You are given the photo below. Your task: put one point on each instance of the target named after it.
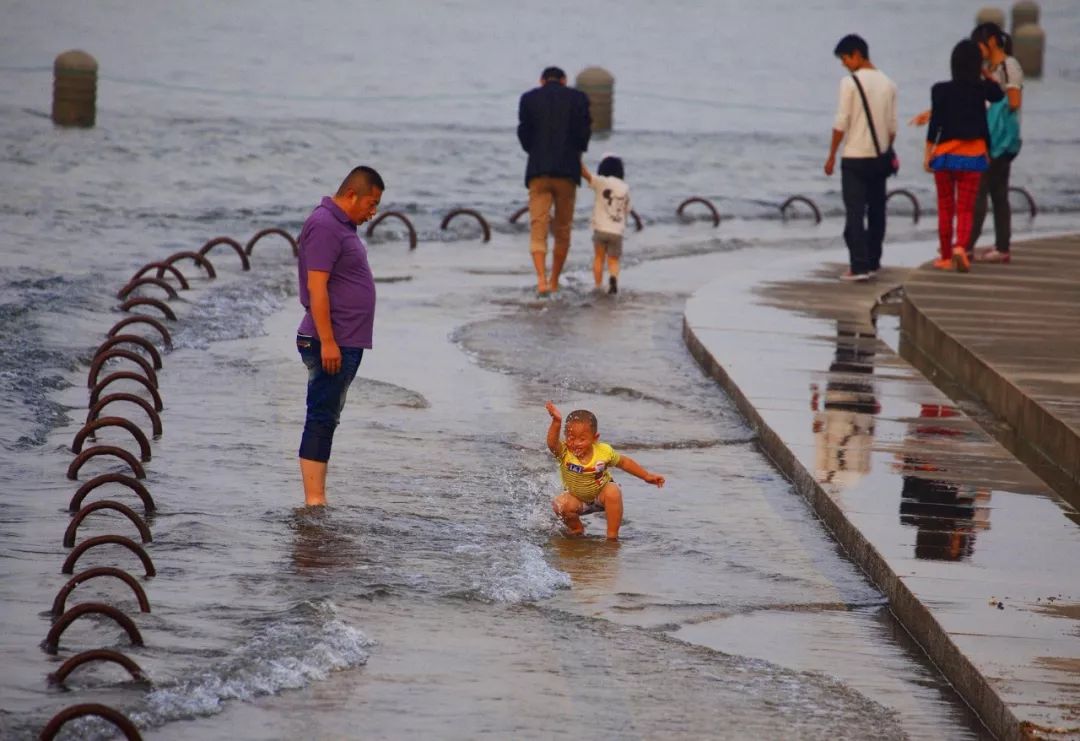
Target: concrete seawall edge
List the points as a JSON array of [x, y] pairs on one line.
[[912, 614]]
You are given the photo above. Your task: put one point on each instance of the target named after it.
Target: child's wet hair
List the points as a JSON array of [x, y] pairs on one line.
[[611, 167], [582, 415]]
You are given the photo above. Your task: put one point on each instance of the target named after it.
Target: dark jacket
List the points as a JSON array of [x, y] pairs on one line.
[[958, 110], [554, 128]]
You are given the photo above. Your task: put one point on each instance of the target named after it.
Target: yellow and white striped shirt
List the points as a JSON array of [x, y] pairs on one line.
[[585, 479]]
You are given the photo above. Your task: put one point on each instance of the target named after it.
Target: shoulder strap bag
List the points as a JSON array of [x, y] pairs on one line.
[[1003, 124], [888, 162]]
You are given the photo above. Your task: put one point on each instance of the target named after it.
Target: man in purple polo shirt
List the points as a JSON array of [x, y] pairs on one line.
[[337, 291]]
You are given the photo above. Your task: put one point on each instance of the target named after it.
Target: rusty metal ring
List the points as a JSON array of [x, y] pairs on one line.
[[1032, 208], [101, 358], [73, 527], [916, 209], [155, 418], [131, 545], [97, 654], [518, 214], [704, 201], [161, 267], [637, 220], [201, 260], [52, 641], [83, 457], [801, 199], [245, 263], [113, 478], [397, 215], [133, 339], [142, 319], [272, 230], [90, 428], [60, 601], [467, 212], [161, 306], [115, 717], [139, 282], [95, 393]]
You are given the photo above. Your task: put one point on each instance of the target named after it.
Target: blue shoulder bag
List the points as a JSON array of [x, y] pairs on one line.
[[1004, 125]]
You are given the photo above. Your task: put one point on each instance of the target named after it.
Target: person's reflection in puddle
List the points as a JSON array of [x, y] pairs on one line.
[[844, 414], [946, 514], [316, 544], [592, 563]]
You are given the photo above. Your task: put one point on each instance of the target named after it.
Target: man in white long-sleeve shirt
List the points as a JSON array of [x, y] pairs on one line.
[[862, 176]]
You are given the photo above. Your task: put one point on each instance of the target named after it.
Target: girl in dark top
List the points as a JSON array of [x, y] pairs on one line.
[[957, 149]]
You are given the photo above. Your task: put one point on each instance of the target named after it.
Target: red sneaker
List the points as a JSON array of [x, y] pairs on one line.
[[993, 255]]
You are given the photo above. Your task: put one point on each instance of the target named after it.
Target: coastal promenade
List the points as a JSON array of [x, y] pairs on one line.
[[1010, 337], [959, 506]]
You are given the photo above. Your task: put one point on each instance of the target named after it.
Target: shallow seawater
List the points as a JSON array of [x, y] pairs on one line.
[[436, 596]]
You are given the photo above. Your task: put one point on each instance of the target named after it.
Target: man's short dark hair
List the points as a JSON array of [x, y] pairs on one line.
[[361, 180], [583, 415], [552, 74], [850, 44]]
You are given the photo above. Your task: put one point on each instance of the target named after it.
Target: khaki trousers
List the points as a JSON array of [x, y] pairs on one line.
[[543, 193]]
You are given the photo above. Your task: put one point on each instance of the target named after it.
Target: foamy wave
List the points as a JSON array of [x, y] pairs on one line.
[[282, 655], [233, 310], [527, 578]]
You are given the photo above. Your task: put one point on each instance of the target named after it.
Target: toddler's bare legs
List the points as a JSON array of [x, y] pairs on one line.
[[568, 507], [611, 498], [612, 267], [598, 263]]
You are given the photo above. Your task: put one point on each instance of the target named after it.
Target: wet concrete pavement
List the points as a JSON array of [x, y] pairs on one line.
[[998, 333], [975, 552]]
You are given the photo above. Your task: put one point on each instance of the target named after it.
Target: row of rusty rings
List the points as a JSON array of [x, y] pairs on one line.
[[122, 345], [638, 225], [714, 213], [916, 209], [453, 214]]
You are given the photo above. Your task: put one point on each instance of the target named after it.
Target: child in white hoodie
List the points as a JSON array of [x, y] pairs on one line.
[[609, 217]]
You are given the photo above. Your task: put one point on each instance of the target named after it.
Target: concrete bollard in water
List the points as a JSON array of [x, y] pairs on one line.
[[599, 85], [990, 15], [74, 89], [1023, 13], [1029, 43]]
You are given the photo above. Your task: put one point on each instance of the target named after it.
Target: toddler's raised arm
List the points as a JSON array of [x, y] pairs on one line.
[[554, 428]]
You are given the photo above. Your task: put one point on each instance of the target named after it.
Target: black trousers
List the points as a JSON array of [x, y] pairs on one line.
[[863, 186], [994, 184]]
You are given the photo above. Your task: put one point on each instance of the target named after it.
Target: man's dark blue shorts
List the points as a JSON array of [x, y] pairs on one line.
[[325, 396]]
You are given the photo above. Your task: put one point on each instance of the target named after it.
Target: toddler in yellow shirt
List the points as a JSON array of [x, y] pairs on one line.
[[585, 466]]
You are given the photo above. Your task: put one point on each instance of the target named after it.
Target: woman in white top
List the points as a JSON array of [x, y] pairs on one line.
[[609, 217]]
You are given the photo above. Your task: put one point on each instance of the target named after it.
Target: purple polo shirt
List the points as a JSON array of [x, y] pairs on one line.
[[328, 242]]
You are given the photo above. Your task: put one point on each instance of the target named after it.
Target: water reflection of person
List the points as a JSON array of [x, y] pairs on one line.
[[946, 514], [316, 545], [844, 423], [592, 564]]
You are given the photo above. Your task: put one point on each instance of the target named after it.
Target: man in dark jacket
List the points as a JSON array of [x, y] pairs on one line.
[[554, 128]]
